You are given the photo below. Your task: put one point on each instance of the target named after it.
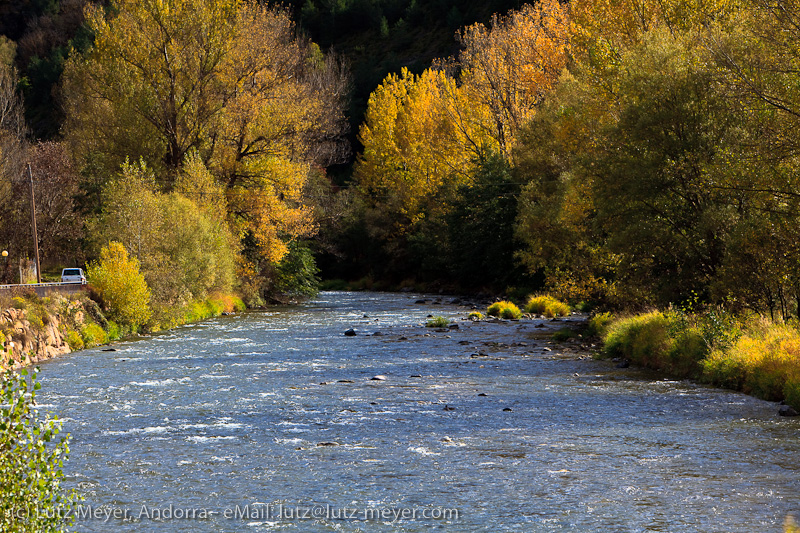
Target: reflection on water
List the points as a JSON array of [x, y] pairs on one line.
[[271, 421]]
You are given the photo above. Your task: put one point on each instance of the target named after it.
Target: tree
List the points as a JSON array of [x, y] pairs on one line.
[[56, 184], [640, 185], [31, 460], [181, 239], [13, 151], [411, 148], [228, 79], [481, 227], [121, 286], [506, 70]]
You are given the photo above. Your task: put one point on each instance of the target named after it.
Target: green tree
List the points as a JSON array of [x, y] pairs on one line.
[[181, 240], [481, 227], [641, 198], [32, 455], [121, 286]]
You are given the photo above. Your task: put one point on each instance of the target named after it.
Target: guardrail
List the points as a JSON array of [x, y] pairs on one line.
[[43, 289]]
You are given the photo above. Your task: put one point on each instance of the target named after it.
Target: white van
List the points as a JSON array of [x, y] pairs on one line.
[[73, 275]]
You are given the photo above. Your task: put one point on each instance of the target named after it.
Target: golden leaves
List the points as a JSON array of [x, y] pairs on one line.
[[227, 83]]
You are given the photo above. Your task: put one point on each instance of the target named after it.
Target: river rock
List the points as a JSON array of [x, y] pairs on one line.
[[453, 326], [787, 410], [328, 443], [421, 302], [378, 378], [624, 364], [350, 333]]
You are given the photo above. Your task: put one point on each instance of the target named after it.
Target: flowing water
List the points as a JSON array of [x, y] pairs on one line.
[[270, 421]]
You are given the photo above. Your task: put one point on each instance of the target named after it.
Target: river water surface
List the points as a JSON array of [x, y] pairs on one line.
[[270, 421]]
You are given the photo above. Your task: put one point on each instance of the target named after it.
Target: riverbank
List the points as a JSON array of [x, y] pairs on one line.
[[34, 329], [745, 353]]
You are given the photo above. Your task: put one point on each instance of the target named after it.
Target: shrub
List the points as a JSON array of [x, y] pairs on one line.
[[565, 334], [31, 461], [333, 285], [661, 341], [504, 309], [74, 340], [764, 362], [475, 315], [598, 324], [120, 285], [437, 322], [93, 335], [113, 332], [547, 306]]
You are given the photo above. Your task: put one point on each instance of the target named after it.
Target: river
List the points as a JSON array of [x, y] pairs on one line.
[[271, 421]]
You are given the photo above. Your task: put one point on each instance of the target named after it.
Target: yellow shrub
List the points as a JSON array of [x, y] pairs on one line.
[[93, 335], [764, 362], [120, 284], [547, 306], [504, 309]]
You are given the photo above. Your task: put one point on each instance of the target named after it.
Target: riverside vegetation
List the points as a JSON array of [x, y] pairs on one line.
[[633, 155], [744, 352]]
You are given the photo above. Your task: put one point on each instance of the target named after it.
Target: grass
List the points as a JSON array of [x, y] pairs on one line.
[[752, 355], [661, 341], [504, 309], [437, 322], [547, 306], [333, 285], [764, 361], [214, 305], [598, 324], [565, 334]]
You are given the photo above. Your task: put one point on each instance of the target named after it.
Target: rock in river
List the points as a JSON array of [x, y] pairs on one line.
[[350, 333]]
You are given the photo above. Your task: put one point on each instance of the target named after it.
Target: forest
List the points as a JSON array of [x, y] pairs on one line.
[[629, 155]]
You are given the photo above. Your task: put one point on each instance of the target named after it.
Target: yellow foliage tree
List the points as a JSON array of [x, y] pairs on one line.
[[507, 69], [116, 278], [226, 79], [411, 147], [424, 136]]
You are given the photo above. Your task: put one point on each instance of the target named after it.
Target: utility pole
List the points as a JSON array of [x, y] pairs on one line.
[[35, 233]]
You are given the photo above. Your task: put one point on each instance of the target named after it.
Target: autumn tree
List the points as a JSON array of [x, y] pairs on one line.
[[181, 239], [506, 70], [641, 199], [14, 236], [227, 79], [120, 285], [426, 137], [411, 147], [56, 184]]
